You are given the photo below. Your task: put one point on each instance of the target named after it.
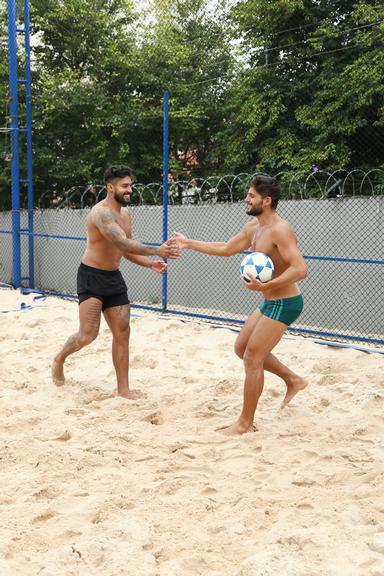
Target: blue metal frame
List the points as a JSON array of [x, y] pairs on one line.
[[14, 127], [28, 97], [165, 191], [15, 130]]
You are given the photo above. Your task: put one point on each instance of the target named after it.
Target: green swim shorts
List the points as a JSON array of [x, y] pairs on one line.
[[285, 310]]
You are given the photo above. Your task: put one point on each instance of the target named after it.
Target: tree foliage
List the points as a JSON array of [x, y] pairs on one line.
[[4, 107], [254, 85], [310, 92]]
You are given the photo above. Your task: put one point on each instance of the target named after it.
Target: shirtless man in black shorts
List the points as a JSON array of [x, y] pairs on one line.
[[100, 285]]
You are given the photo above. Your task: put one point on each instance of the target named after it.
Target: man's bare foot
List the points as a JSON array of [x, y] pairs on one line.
[[57, 371], [130, 394], [293, 387], [235, 429]]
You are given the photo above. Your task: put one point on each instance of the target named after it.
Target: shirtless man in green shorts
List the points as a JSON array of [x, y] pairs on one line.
[[282, 303], [100, 286]]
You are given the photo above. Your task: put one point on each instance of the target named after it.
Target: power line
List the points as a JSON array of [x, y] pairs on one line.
[[345, 48], [266, 51], [323, 36], [304, 59], [301, 27]]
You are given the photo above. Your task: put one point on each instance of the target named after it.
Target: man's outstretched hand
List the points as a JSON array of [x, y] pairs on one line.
[[169, 249], [181, 240]]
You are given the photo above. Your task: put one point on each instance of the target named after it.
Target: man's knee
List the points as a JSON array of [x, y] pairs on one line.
[[252, 355], [122, 333], [239, 350], [86, 338]]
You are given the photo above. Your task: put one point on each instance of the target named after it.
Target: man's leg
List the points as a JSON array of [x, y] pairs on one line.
[[293, 381], [264, 337], [117, 318], [89, 316]]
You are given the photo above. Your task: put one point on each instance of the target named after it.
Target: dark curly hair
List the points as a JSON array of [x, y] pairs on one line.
[[117, 171]]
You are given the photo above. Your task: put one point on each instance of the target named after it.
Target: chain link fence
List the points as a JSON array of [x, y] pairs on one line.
[[338, 221]]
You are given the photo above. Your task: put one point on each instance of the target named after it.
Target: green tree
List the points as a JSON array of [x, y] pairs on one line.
[[184, 49], [5, 186], [100, 70], [309, 91], [82, 87]]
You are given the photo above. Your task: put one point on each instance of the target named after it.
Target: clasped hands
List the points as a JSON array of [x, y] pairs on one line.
[[171, 249], [177, 242]]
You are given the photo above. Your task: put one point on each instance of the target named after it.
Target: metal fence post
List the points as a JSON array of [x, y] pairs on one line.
[[14, 128], [29, 181], [165, 192]]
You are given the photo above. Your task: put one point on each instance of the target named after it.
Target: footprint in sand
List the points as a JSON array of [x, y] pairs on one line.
[[377, 543], [74, 411], [99, 397], [44, 517], [305, 482], [64, 437], [188, 379], [70, 534], [326, 380], [322, 368], [210, 410], [36, 323], [155, 418], [124, 504], [305, 506], [47, 493], [209, 491], [141, 361], [310, 455], [226, 387], [325, 402], [25, 386], [193, 351]]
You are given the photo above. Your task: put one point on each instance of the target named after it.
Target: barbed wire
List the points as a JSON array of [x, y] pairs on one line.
[[340, 183]]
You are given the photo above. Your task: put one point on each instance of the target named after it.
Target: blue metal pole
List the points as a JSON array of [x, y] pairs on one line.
[[14, 127], [28, 97], [165, 189]]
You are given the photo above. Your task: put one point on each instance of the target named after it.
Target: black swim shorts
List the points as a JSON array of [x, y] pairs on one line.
[[108, 286]]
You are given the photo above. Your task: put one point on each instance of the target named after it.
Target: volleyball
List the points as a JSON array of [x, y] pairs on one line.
[[259, 265]]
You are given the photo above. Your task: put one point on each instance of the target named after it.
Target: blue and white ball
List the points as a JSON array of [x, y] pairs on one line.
[[259, 265]]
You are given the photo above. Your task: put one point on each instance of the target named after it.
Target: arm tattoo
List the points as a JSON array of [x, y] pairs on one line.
[[111, 230]]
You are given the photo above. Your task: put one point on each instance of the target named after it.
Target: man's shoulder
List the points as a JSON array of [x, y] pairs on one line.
[[282, 227], [251, 226], [104, 208], [100, 207], [94, 210], [283, 224], [101, 213]]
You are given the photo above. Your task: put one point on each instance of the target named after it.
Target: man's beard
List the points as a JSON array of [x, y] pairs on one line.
[[121, 200], [254, 210]]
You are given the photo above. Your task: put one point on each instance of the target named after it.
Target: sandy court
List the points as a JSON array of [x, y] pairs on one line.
[[92, 484]]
